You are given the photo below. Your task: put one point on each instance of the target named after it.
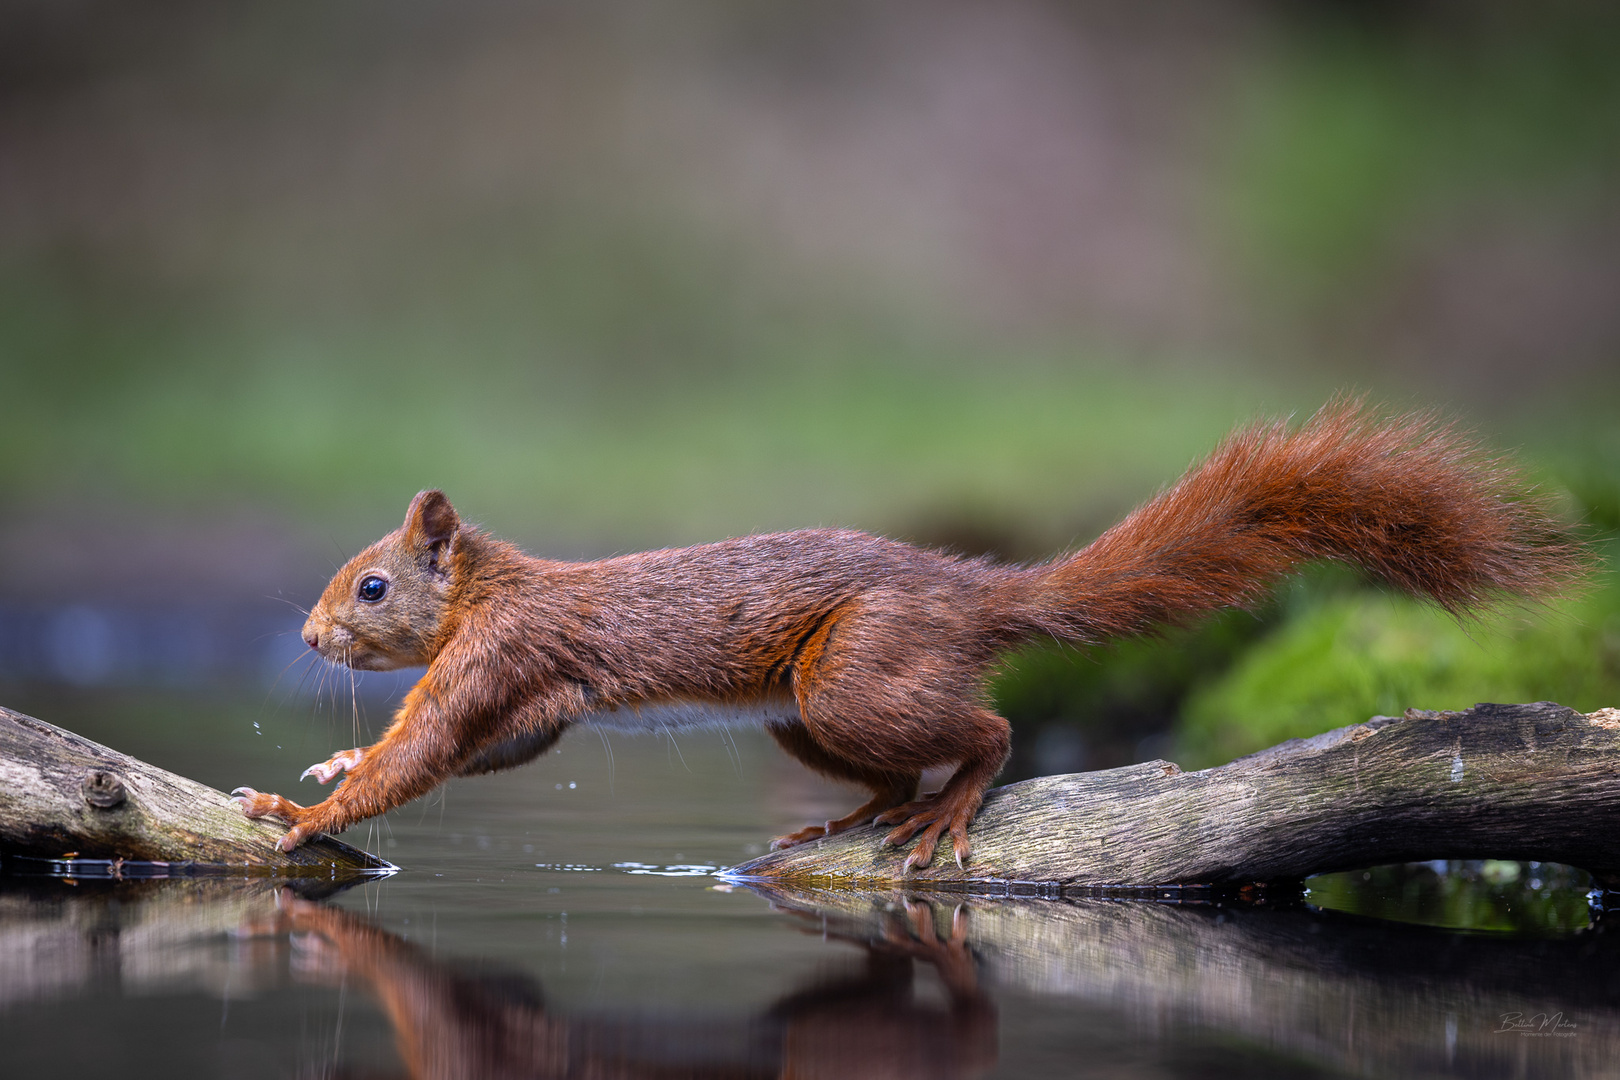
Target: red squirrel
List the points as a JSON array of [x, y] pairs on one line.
[[867, 658]]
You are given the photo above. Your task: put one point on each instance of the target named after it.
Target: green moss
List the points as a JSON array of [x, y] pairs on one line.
[[1352, 657]]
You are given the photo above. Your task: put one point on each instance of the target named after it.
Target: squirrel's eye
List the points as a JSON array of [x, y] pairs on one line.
[[372, 589]]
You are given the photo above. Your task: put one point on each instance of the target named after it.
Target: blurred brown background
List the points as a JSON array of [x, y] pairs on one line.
[[617, 275]]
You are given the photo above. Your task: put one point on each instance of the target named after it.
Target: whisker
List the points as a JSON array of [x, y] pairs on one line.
[[608, 747], [326, 695], [311, 672], [289, 666], [677, 747], [341, 554], [301, 609], [321, 675], [276, 682], [354, 704]]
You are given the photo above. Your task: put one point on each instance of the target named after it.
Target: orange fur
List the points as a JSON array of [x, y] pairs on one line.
[[873, 653]]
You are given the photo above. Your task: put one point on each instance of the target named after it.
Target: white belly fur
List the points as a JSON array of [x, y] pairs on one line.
[[656, 717]]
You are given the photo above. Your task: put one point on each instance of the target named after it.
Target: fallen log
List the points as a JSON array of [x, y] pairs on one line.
[[65, 798], [1536, 782]]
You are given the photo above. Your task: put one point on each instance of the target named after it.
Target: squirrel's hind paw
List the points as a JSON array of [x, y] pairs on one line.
[[928, 819], [804, 835]]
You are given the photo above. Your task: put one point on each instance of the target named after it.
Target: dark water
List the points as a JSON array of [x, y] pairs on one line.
[[564, 920]]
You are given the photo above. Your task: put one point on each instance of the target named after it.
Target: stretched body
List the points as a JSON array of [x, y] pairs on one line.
[[866, 658]]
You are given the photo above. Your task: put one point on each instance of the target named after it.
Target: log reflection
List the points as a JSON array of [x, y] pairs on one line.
[[1337, 991], [1358, 994], [62, 938]]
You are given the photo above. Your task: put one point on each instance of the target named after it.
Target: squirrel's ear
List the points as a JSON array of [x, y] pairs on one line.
[[431, 520]]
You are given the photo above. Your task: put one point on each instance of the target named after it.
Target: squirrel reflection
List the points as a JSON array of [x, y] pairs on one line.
[[450, 1024]]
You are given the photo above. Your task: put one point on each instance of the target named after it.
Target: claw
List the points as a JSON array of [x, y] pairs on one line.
[[248, 800], [339, 763], [804, 835], [920, 857]]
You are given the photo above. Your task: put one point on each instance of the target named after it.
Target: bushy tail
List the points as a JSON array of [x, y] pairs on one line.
[[1410, 501]]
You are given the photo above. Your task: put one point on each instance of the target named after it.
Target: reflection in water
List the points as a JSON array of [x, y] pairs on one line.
[[450, 1024], [451, 1021], [1358, 994], [1465, 894], [937, 991], [61, 937]]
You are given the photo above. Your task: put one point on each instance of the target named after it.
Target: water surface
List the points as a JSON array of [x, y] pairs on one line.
[[565, 920]]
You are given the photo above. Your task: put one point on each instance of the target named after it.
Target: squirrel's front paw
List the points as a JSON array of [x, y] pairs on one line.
[[258, 804], [342, 761], [295, 836]]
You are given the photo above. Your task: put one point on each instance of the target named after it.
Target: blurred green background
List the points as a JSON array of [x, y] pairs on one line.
[[977, 274]]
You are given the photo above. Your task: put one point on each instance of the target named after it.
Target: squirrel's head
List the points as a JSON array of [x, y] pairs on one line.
[[384, 609]]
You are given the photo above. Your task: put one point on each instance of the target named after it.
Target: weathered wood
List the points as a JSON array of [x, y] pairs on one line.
[[1534, 781], [61, 794]]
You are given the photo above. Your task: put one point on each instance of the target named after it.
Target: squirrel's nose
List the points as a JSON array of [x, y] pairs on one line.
[[312, 637]]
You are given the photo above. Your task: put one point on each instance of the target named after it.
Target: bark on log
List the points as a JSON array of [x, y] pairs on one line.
[[62, 795], [1537, 782]]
